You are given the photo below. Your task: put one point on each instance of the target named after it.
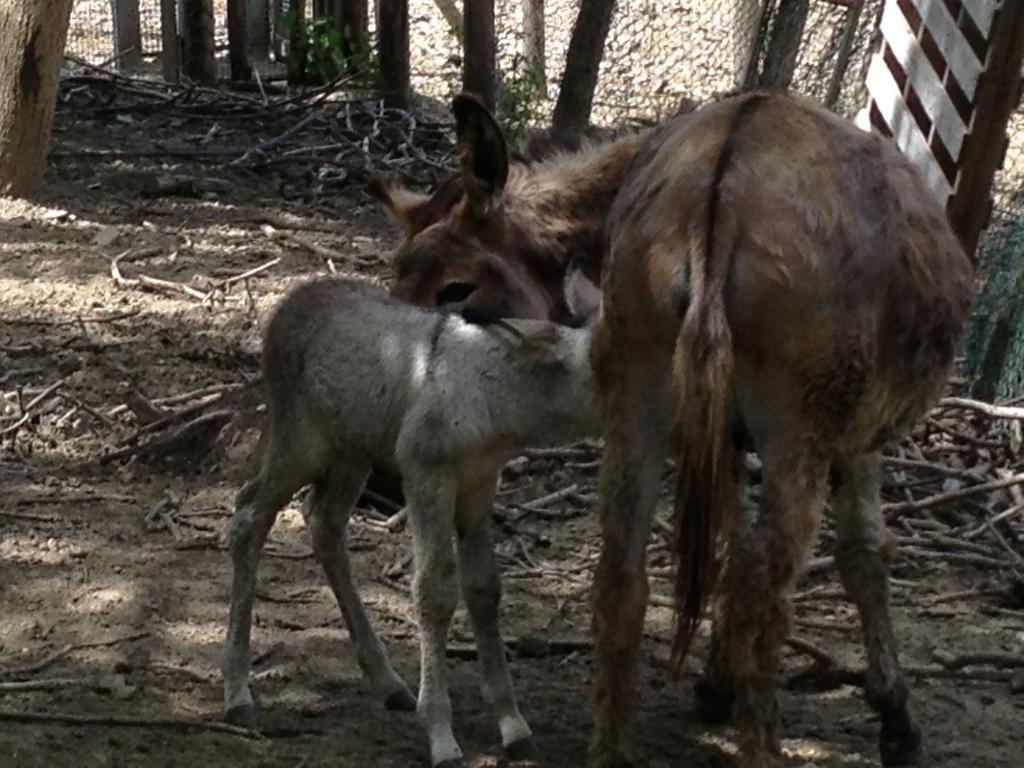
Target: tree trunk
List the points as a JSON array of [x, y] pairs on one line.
[[534, 42], [257, 29], [296, 41], [478, 43], [32, 37], [994, 343], [238, 49], [351, 19], [784, 43], [170, 42], [451, 14], [746, 29], [846, 43], [393, 50], [127, 33], [198, 60], [576, 96]]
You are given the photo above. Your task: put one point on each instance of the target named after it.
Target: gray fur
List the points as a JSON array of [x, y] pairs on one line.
[[355, 378]]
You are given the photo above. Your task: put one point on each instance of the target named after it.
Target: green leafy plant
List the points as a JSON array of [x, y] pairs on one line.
[[521, 104], [316, 51]]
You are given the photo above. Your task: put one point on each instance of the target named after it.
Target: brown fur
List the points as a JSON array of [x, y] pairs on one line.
[[826, 296], [500, 236]]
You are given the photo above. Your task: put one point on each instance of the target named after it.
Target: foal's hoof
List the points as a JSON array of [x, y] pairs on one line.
[[900, 744], [401, 700], [714, 703], [243, 715], [524, 749]]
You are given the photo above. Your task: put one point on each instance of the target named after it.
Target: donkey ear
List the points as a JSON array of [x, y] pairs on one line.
[[483, 154], [400, 202]]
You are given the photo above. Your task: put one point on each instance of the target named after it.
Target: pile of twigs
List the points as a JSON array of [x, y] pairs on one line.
[[337, 130]]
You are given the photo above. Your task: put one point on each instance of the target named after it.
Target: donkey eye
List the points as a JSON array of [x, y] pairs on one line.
[[453, 293]]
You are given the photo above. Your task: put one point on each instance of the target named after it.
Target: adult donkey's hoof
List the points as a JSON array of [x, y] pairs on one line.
[[401, 700], [458, 762], [900, 744], [524, 749], [243, 715]]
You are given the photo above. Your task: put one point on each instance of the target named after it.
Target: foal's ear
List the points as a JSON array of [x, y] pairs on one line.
[[483, 155], [400, 202]]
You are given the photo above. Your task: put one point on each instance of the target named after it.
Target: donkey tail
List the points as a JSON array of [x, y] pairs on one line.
[[705, 490], [703, 388]]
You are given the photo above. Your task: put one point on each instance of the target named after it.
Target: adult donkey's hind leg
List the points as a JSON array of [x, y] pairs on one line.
[[715, 690], [481, 588], [863, 570], [327, 511], [634, 455], [757, 585]]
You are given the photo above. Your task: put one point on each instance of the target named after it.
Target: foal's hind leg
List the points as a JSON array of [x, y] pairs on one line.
[[430, 497], [481, 588], [327, 512], [634, 455], [861, 533], [759, 579], [256, 507]]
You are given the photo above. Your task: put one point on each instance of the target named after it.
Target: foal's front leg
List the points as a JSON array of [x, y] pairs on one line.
[[481, 587], [430, 498]]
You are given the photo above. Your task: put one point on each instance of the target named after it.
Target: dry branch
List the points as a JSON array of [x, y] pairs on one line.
[[49, 684], [180, 724], [68, 649], [958, 495], [26, 413], [995, 411]]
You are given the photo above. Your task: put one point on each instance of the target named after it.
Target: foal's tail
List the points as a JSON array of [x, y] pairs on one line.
[[703, 387]]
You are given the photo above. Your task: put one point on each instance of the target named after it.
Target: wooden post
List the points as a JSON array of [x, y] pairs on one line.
[[257, 29], [127, 33], [238, 53], [393, 50], [784, 43], [170, 44], [478, 48], [534, 42], [198, 60], [984, 148]]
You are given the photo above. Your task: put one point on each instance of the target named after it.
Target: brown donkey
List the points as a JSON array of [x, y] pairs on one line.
[[779, 276]]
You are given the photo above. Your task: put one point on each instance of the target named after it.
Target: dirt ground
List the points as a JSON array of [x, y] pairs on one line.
[[120, 555]]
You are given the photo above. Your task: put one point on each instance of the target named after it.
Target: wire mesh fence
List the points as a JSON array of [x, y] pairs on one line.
[[658, 52]]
